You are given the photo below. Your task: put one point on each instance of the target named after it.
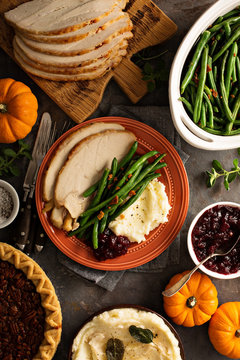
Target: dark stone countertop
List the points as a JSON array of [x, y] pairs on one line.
[[80, 298]]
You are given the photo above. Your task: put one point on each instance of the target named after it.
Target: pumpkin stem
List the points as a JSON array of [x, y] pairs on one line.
[[3, 108], [191, 302], [237, 333]]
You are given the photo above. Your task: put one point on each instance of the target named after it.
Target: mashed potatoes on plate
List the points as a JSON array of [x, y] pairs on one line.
[[91, 341], [149, 211]]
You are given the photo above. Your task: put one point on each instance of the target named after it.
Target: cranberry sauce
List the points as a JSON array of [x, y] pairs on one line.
[[111, 245], [218, 227]]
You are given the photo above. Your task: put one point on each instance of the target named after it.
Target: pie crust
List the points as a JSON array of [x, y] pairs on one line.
[[49, 300]]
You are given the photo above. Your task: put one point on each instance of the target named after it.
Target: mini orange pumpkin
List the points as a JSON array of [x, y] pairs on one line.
[[18, 110], [195, 303], [224, 330]]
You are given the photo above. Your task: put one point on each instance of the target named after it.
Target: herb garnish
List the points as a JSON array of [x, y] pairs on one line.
[[153, 67], [218, 171], [115, 349], [8, 157], [144, 336]]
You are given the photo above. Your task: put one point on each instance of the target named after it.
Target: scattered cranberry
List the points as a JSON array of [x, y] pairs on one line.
[[111, 245], [218, 227]]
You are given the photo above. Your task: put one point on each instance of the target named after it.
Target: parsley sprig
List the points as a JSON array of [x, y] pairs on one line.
[[153, 67], [8, 157], [218, 171]]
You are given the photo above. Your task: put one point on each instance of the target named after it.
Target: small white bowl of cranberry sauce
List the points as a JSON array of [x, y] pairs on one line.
[[216, 226]]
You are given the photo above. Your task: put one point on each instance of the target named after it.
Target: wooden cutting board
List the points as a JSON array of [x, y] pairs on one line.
[[81, 98]]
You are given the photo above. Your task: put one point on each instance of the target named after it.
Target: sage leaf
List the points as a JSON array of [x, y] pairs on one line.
[[141, 335], [9, 152], [217, 165], [14, 170], [27, 154], [226, 183], [148, 69], [114, 349], [235, 163], [232, 177]]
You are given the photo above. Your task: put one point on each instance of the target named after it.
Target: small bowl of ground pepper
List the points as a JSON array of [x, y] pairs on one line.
[[216, 226], [9, 204]]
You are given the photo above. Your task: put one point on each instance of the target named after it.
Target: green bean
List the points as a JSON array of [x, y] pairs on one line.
[[238, 69], [227, 29], [210, 110], [129, 156], [219, 120], [203, 119], [130, 201], [209, 93], [213, 84], [112, 174], [233, 95], [114, 207], [133, 168], [219, 20], [213, 131], [193, 94], [95, 234], [200, 90], [230, 66], [125, 189], [231, 13], [103, 223], [215, 73], [231, 21], [187, 103], [82, 228], [197, 54], [235, 112], [158, 166], [229, 42], [101, 186], [226, 108], [235, 132], [213, 47], [90, 190]]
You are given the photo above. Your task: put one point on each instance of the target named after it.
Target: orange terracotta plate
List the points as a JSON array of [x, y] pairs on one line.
[[175, 179]]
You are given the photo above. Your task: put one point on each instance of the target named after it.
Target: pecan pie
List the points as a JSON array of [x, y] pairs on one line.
[[30, 313]]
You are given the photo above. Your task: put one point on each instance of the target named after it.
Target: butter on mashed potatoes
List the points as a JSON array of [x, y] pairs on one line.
[[149, 211], [90, 343]]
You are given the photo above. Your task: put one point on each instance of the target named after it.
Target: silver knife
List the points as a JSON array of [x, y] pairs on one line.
[[39, 150]]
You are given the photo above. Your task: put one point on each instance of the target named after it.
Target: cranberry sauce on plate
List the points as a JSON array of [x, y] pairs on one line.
[[218, 227]]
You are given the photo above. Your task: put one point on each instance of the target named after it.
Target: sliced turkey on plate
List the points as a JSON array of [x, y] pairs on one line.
[[85, 45], [72, 61], [81, 33], [60, 156], [59, 16], [85, 165]]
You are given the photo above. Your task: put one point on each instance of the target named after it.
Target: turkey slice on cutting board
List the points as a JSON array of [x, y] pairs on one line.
[[112, 63], [85, 165], [72, 61], [81, 33], [59, 16], [85, 45], [91, 67]]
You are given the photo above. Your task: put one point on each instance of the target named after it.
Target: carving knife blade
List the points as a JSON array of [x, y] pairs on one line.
[[41, 143]]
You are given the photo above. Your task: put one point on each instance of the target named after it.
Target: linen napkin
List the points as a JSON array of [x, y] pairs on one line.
[[159, 118]]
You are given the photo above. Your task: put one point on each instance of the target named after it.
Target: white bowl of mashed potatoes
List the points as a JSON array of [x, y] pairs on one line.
[[98, 333]]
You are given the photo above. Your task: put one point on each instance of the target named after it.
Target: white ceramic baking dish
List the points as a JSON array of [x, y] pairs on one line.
[[189, 131]]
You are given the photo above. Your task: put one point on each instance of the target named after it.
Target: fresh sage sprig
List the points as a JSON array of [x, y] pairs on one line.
[[153, 68], [9, 155], [219, 171], [114, 349], [144, 336]]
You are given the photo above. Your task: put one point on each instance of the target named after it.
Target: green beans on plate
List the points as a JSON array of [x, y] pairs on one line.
[[210, 88], [114, 196]]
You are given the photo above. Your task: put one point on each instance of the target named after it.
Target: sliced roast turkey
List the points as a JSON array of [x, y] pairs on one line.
[[85, 165], [93, 66], [68, 77], [85, 45], [60, 156], [59, 16], [81, 33]]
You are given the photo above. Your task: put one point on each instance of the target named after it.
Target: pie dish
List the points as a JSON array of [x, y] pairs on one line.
[[29, 308], [174, 178]]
